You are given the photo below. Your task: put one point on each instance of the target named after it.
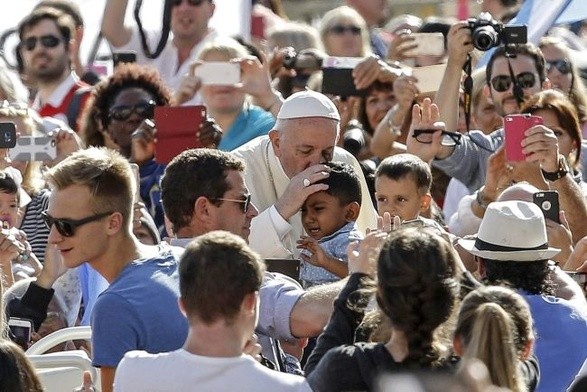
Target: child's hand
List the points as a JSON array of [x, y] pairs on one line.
[[318, 256], [363, 256]]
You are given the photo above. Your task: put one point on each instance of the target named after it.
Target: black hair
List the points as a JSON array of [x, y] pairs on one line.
[[343, 183]]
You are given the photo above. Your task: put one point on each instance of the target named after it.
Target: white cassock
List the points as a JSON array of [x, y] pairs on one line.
[[271, 235]]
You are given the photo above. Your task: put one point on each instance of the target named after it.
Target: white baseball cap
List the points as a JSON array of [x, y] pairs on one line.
[[308, 103]]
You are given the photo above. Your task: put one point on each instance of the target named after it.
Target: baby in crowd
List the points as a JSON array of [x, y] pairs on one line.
[[329, 219]]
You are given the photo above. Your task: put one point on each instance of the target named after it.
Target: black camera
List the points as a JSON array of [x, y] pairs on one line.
[[353, 138], [488, 33], [303, 61]]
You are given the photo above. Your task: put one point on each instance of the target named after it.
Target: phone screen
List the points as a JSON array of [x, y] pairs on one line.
[[20, 331]]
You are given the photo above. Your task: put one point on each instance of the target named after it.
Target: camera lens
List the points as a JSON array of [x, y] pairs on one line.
[[7, 136], [485, 38], [546, 205], [354, 141]]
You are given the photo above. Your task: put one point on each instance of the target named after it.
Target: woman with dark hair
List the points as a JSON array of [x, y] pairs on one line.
[[416, 289]]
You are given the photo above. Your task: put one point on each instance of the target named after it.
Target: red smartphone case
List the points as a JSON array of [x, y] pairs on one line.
[[176, 130], [514, 127]]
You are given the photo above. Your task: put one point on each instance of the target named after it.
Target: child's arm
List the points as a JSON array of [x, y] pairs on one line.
[[319, 258]]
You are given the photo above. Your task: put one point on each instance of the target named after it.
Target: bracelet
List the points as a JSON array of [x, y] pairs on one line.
[[481, 199]]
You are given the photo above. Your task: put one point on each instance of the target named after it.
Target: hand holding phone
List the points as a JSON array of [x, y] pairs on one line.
[[548, 203], [20, 331], [515, 125]]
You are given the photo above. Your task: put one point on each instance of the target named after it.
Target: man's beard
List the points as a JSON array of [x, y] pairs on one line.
[[50, 73]]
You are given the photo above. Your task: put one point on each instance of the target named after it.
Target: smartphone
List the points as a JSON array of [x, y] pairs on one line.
[[33, 148], [20, 331], [220, 73], [429, 77], [176, 130], [427, 44], [337, 77], [126, 56], [7, 134], [257, 26], [135, 171], [514, 126], [548, 203]]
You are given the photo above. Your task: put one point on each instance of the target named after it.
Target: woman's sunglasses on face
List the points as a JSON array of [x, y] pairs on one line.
[[340, 29], [143, 109], [502, 83], [67, 227], [562, 65], [47, 41]]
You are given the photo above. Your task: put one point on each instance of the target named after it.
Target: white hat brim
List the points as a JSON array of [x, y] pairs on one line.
[[521, 255]]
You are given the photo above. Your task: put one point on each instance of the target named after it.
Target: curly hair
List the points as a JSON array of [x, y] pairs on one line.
[[532, 277], [125, 77], [417, 290]]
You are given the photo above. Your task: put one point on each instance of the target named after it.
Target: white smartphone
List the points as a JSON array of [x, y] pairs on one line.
[[20, 331], [32, 148], [221, 73], [429, 77], [427, 44]]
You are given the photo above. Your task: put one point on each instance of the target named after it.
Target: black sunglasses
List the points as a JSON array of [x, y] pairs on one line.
[[144, 109], [66, 227], [195, 3], [48, 41], [448, 138], [340, 29], [563, 66], [502, 83], [246, 203]]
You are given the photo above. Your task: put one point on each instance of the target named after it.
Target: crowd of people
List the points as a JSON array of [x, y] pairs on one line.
[[418, 245]]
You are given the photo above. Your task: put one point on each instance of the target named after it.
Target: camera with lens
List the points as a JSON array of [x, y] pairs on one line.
[[488, 33], [353, 139], [303, 61]]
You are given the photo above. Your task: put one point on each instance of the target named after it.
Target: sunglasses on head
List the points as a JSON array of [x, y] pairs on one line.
[[340, 29], [144, 109], [246, 202], [67, 227], [47, 41], [563, 66], [194, 3], [502, 83]]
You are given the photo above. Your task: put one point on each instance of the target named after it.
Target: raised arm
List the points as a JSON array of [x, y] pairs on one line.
[[113, 28]]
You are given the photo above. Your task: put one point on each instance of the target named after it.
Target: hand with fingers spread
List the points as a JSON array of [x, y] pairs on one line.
[[425, 116], [362, 256], [299, 188], [189, 87]]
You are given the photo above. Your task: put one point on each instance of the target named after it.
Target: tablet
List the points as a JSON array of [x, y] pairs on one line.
[[177, 127]]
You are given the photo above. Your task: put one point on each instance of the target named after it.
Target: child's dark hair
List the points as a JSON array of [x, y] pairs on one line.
[[7, 183], [403, 165], [343, 183]]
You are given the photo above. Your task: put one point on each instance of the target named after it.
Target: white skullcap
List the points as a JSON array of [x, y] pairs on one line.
[[308, 103]]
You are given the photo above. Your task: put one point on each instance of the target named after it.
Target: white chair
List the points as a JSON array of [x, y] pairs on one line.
[[62, 371]]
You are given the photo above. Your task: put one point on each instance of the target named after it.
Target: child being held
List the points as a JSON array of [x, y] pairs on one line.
[[329, 219], [402, 189]]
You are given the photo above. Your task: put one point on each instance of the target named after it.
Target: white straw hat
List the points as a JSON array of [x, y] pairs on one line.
[[511, 230], [308, 103]]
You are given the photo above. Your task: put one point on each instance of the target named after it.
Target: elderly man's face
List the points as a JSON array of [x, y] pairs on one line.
[[301, 143]]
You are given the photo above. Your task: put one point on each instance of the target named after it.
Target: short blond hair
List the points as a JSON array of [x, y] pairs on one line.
[[105, 172]]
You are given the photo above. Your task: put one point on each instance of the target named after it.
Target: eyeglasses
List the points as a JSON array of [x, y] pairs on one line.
[[48, 41], [144, 109], [246, 202], [340, 29], [67, 227], [194, 3], [563, 66], [502, 83], [448, 138]]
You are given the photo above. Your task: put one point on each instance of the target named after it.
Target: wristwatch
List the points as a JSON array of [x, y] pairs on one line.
[[563, 170]]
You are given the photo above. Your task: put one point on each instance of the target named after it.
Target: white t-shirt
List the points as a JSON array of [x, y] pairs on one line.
[[181, 371]]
